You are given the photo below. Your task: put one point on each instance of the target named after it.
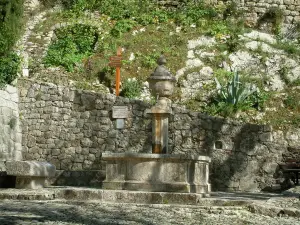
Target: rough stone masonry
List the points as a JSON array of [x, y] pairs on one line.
[[72, 128], [10, 129], [256, 8]]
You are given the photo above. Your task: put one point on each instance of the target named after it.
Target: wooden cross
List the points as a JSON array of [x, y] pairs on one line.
[[116, 62]]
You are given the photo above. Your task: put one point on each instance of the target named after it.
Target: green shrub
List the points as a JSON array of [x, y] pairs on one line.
[[148, 12], [153, 17], [232, 10], [219, 28], [84, 36], [149, 61], [9, 66], [234, 92], [234, 96], [192, 12], [11, 12], [131, 88], [125, 9], [77, 7], [121, 27], [72, 45], [79, 4], [292, 101]]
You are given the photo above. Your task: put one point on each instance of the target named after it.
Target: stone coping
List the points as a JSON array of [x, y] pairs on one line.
[[168, 157]]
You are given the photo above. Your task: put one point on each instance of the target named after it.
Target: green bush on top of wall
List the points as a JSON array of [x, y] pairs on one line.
[[9, 66], [72, 45]]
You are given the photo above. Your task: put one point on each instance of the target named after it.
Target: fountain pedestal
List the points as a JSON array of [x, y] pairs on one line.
[[157, 172], [160, 129]]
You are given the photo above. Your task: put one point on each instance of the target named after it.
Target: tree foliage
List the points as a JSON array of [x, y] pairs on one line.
[[11, 12]]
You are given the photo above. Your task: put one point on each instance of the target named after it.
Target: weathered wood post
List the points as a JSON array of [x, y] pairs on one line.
[[116, 62]]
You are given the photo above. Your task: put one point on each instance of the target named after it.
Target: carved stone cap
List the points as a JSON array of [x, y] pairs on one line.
[[161, 72]]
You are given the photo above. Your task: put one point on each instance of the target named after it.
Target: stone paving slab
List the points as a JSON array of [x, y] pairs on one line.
[[92, 213], [276, 206]]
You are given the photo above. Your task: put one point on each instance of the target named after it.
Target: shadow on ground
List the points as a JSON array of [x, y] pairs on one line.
[[30, 212]]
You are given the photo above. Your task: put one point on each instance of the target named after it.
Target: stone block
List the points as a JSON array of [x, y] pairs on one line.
[[81, 194], [30, 174], [2, 166], [266, 137], [30, 169]]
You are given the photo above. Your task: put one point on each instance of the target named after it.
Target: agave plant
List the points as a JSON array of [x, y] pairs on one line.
[[235, 93]]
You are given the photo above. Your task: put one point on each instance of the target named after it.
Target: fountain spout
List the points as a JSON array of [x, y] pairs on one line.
[[161, 83]]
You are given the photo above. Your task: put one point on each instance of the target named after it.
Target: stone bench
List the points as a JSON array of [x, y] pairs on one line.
[[30, 174]]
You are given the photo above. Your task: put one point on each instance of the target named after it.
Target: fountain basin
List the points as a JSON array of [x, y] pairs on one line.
[[157, 172]]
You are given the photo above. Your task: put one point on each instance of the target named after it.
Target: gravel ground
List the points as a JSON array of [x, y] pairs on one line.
[[71, 213]]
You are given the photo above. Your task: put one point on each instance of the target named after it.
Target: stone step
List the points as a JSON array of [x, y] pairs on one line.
[[18, 194], [221, 202], [118, 196]]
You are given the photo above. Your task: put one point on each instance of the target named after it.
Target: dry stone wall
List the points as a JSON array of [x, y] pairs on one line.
[[240, 152], [10, 130], [255, 8], [71, 128]]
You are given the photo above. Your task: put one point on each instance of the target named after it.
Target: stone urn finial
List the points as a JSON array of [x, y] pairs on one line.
[[161, 60], [161, 82]]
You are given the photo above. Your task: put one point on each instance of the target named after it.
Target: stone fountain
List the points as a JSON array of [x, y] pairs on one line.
[[159, 171]]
